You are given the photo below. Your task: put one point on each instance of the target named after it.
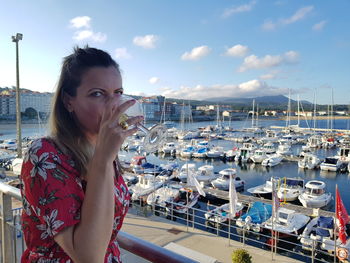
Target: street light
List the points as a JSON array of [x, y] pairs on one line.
[[16, 39]]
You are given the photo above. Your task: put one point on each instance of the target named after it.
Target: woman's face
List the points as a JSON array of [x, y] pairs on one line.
[[98, 86]]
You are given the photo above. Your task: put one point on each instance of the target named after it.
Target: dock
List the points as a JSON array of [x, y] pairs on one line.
[[248, 199], [313, 129]]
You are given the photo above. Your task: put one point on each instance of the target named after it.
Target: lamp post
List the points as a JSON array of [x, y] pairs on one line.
[[16, 39]]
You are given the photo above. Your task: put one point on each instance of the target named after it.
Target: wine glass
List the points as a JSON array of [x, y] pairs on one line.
[[154, 136]]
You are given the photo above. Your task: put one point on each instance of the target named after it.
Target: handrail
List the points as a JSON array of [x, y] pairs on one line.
[[134, 245], [149, 251]]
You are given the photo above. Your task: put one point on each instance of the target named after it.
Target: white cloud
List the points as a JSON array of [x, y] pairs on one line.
[[196, 53], [122, 53], [252, 88], [238, 9], [138, 93], [301, 13], [87, 33], [319, 26], [147, 41], [267, 76], [80, 21], [90, 35], [253, 62], [154, 80], [237, 51]]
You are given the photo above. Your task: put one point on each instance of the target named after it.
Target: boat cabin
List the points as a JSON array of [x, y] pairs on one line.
[[315, 188], [138, 160]]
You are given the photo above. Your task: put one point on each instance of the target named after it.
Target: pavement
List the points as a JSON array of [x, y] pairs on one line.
[[162, 232]]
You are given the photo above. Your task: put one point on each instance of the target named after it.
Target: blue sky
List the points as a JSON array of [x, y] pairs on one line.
[[193, 49]]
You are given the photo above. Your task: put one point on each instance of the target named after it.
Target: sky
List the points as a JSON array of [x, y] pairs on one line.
[[188, 49]]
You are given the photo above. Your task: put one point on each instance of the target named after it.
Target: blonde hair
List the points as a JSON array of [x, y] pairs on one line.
[[64, 128]]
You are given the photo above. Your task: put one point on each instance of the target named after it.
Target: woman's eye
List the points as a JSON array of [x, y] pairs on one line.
[[119, 92], [96, 94]]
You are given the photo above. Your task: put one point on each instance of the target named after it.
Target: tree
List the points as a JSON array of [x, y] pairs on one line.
[[241, 256]]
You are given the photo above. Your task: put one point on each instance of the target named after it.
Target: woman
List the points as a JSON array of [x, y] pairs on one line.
[[74, 196]]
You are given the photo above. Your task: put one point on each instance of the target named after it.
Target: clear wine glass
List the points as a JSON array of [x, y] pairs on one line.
[[154, 136]]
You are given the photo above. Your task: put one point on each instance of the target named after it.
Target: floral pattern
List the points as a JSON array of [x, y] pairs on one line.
[[53, 193]]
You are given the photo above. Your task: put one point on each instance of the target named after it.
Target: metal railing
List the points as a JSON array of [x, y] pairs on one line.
[[12, 241], [194, 218]]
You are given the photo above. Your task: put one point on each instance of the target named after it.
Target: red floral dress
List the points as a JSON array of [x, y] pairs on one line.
[[52, 197]]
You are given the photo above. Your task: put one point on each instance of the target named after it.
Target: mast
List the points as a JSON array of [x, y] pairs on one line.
[[253, 113], [298, 111]]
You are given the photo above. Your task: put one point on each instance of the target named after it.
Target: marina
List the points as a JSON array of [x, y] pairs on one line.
[[158, 173]]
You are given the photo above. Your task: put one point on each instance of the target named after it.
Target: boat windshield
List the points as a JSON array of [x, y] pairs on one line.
[[312, 191]]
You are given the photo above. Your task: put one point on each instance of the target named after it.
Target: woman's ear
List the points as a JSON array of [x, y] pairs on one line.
[[67, 101]]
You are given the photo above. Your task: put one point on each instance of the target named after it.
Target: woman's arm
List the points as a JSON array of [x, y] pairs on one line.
[[87, 241]]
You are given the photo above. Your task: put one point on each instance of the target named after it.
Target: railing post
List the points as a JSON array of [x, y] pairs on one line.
[[229, 231], [313, 252], [6, 237], [193, 219]]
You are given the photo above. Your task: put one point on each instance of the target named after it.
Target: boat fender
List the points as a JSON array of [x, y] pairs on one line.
[[342, 253]]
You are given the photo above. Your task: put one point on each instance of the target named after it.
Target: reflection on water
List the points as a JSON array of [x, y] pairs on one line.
[[328, 174]]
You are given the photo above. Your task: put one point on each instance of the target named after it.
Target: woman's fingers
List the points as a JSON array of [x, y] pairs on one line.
[[119, 109]]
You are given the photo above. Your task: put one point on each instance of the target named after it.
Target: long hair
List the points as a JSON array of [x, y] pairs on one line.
[[64, 127]]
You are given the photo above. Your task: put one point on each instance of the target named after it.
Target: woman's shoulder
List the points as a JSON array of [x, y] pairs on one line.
[[43, 144]]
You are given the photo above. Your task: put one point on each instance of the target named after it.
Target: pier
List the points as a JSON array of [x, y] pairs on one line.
[[313, 129]]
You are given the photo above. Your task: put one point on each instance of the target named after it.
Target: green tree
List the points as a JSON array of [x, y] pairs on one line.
[[241, 256]]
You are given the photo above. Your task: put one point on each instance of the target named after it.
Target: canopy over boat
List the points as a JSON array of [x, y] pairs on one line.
[[259, 212]]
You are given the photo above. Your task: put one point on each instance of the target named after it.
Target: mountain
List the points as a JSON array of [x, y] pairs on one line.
[[264, 100]]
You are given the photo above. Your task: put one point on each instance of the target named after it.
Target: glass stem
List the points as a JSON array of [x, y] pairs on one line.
[[142, 128]]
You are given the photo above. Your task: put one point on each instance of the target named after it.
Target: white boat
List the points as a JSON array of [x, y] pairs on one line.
[[185, 170], [344, 153], [315, 195], [222, 214], [169, 148], [287, 222], [223, 181], [273, 160], [245, 152], [162, 196], [290, 189], [284, 149], [205, 174], [147, 184], [310, 161], [314, 141], [317, 230], [259, 156], [216, 152], [230, 154], [186, 200], [269, 148], [331, 164], [201, 152], [264, 190], [9, 144]]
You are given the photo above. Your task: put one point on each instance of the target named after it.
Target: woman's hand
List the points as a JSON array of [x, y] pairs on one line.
[[111, 134]]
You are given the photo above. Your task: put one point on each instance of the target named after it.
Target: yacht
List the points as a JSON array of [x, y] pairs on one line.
[[222, 214], [231, 154], [216, 152], [317, 230], [269, 148], [201, 152], [185, 201], [255, 216], [223, 181], [273, 160], [169, 148], [162, 196], [310, 161], [284, 149], [146, 184], [259, 156], [315, 195], [287, 222], [205, 174], [331, 164], [185, 170], [290, 189], [245, 152], [264, 190]]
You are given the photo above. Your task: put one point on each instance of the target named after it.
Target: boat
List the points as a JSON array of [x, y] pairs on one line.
[[205, 174], [187, 151], [310, 161], [223, 181], [255, 216], [245, 152], [130, 178], [169, 148], [200, 152], [290, 189], [273, 160], [185, 170], [284, 149], [163, 195], [258, 156], [230, 154], [331, 164], [146, 184], [264, 190], [315, 195], [216, 152], [222, 214], [269, 148], [286, 222], [317, 230], [186, 200]]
